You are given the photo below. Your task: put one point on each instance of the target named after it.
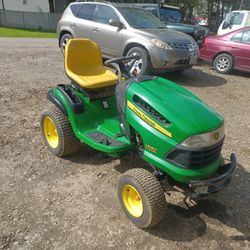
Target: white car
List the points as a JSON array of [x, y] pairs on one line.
[[235, 20]]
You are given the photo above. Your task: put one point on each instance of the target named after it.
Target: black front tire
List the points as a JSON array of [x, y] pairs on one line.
[[66, 142], [64, 40], [223, 63], [143, 65], [150, 192]]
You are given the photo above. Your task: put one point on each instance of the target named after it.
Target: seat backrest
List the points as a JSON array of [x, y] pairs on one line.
[[83, 57]]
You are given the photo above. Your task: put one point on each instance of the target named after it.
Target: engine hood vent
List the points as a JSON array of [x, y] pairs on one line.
[[150, 110]]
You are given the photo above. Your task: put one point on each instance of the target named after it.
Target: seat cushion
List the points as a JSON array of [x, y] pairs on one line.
[[94, 79]]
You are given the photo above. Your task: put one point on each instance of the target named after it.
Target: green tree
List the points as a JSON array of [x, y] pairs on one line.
[[186, 6]]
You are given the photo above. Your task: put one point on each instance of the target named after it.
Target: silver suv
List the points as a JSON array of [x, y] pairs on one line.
[[124, 29]]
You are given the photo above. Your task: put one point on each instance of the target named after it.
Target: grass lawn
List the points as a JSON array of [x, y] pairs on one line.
[[9, 32]]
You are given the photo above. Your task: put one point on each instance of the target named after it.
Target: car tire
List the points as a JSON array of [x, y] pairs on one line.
[[141, 197], [63, 41], [57, 133], [223, 63], [142, 66]]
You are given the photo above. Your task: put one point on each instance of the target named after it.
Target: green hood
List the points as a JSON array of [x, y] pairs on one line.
[[187, 114]]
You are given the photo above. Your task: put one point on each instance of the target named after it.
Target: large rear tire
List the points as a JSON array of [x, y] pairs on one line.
[[57, 133], [141, 197]]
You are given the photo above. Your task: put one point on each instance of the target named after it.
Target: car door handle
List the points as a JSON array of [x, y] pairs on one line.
[[73, 25], [95, 29]]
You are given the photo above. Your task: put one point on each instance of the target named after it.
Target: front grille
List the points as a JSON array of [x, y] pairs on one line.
[[194, 159], [183, 62], [184, 46]]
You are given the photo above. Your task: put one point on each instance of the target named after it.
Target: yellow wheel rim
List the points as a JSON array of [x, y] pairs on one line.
[[132, 200], [50, 132]]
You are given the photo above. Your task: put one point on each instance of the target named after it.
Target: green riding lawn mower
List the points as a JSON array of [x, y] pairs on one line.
[[178, 136]]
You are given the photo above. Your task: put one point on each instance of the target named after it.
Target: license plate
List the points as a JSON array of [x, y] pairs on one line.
[[202, 190]]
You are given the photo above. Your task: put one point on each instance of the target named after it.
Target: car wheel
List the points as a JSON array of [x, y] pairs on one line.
[[64, 40], [141, 197], [57, 133], [223, 63], [141, 66]]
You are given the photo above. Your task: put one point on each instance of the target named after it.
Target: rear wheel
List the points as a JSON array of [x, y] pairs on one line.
[[141, 66], [223, 63], [64, 40], [142, 197], [57, 133]]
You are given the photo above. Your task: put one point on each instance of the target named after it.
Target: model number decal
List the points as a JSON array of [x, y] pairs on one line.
[[151, 148], [148, 120]]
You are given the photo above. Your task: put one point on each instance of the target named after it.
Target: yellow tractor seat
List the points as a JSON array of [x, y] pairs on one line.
[[83, 65]]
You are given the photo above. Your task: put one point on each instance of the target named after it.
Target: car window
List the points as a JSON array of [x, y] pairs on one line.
[[246, 37], [103, 14], [168, 14], [86, 12], [141, 19], [237, 37], [74, 8], [235, 18]]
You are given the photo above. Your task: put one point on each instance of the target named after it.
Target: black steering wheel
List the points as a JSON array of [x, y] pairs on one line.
[[120, 65]]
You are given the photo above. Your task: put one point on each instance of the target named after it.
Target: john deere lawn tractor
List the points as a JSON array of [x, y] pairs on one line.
[[177, 135]]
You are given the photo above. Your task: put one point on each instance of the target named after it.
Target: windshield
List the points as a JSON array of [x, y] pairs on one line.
[[152, 10], [235, 18], [141, 19], [171, 15]]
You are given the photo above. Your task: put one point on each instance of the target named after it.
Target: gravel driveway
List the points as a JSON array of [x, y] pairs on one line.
[[71, 203]]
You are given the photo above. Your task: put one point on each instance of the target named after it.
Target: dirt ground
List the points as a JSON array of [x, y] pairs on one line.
[[71, 203]]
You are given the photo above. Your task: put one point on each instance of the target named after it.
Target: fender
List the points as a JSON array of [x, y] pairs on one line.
[[136, 41], [70, 100], [64, 30], [51, 97]]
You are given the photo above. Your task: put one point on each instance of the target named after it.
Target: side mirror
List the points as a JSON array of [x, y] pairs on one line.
[[226, 25], [116, 23]]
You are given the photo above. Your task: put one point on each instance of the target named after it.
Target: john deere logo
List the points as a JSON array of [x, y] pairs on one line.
[[216, 135], [148, 120]]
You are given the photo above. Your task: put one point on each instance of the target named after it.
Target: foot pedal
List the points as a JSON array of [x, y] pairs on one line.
[[104, 139]]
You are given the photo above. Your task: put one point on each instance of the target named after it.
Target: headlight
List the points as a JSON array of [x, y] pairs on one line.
[[159, 44], [204, 140]]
